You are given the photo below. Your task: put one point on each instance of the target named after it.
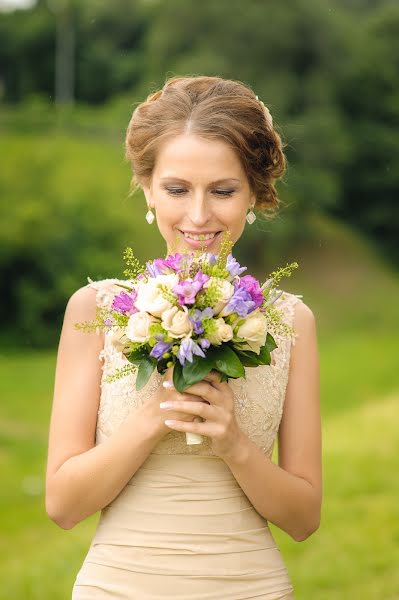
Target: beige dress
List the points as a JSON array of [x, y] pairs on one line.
[[182, 527]]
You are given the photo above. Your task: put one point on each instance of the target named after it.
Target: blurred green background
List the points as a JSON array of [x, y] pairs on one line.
[[71, 73]]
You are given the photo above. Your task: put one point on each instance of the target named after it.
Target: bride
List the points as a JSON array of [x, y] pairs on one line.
[[179, 520]]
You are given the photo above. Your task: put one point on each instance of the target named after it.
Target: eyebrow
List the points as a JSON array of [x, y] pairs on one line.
[[179, 179]]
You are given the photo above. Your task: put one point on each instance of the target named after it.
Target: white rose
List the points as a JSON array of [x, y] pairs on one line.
[[254, 331], [150, 298], [226, 292], [222, 332], [176, 322], [137, 329], [118, 338]]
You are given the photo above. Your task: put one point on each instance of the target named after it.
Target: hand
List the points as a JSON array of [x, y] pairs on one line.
[[169, 394], [216, 409]]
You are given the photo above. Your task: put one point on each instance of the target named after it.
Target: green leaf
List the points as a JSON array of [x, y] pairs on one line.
[[247, 357], [197, 369], [146, 367], [226, 361], [136, 356], [264, 357], [270, 343], [223, 377], [178, 380]]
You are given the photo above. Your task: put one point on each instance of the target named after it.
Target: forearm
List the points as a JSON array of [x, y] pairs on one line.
[[284, 499], [87, 482]]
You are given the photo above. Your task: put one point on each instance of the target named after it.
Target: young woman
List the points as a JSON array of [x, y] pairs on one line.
[[177, 520]]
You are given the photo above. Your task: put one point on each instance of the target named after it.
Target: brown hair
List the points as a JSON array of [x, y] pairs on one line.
[[212, 107]]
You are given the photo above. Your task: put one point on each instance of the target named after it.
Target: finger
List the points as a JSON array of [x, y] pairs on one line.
[[207, 391], [205, 428], [200, 409], [214, 379], [167, 384]]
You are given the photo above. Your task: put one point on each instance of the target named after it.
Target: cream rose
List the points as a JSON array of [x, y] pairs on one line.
[[254, 331], [117, 338], [149, 296], [137, 329], [221, 332], [226, 292], [176, 322]]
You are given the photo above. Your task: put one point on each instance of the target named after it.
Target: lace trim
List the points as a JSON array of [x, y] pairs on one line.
[[259, 398]]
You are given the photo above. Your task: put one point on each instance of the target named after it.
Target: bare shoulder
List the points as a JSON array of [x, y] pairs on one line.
[[304, 317], [82, 303]]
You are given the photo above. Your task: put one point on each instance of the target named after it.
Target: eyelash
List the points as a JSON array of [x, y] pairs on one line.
[[180, 192]]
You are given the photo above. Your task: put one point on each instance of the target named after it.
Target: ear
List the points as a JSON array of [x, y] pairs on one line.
[[252, 200]]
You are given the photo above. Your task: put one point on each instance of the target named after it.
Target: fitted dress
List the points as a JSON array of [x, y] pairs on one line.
[[182, 527]]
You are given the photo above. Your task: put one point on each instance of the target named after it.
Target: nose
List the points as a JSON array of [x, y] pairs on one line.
[[199, 212]]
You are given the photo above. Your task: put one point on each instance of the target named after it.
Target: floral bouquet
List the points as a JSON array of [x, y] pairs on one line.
[[195, 312]]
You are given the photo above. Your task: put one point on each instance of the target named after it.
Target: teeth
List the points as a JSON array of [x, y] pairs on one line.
[[203, 236]]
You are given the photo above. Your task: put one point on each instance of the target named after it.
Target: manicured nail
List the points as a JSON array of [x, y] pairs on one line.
[[165, 405], [167, 384]]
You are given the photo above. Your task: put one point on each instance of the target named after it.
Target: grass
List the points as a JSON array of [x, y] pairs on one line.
[[353, 555]]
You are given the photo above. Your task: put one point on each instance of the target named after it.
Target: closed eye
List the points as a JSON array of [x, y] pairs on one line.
[[181, 191]]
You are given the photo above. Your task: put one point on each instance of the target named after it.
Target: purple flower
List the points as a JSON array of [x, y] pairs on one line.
[[108, 323], [188, 288], [197, 316], [209, 257], [241, 302], [159, 349], [124, 303], [174, 261], [157, 267], [187, 348], [251, 285], [204, 343], [233, 266]]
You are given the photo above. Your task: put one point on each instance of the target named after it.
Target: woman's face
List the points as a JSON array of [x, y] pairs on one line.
[[198, 187]]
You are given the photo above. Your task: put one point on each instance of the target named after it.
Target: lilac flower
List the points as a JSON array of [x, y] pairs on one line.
[[187, 348], [233, 266], [188, 288], [159, 349], [108, 323], [157, 267], [204, 343], [174, 261], [251, 285], [241, 302], [209, 257], [197, 316], [124, 303]]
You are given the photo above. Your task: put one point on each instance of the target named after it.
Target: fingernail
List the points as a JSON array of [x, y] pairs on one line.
[[167, 384], [165, 405]]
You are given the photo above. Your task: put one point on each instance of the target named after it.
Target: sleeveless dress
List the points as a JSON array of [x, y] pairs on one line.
[[182, 526]]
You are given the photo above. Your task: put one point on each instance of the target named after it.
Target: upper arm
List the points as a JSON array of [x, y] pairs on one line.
[[299, 436], [77, 383]]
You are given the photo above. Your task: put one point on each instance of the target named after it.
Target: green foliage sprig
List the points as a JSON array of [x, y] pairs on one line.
[[97, 324], [135, 267], [121, 372]]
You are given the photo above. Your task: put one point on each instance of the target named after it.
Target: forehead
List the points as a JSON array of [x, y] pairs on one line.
[[190, 156]]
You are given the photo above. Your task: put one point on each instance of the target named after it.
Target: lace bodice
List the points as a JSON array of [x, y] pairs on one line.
[[259, 398]]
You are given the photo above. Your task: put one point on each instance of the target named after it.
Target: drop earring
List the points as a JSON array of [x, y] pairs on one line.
[[149, 216], [251, 216]]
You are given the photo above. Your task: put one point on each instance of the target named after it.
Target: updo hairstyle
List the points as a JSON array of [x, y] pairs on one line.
[[214, 108]]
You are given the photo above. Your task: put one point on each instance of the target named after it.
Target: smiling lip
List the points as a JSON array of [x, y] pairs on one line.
[[197, 232], [199, 243]]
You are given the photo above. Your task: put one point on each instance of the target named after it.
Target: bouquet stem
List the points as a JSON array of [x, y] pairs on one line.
[[194, 438]]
